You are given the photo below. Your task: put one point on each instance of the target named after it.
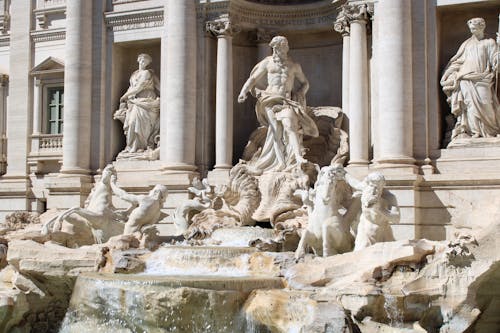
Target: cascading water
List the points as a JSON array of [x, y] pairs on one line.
[[394, 314], [185, 260], [183, 289]]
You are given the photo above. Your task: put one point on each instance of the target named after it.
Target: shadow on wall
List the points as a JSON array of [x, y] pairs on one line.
[[432, 215]]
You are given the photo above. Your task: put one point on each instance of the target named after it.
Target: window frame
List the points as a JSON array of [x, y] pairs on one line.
[[47, 109]]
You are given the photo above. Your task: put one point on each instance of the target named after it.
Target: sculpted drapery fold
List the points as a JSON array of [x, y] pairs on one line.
[[469, 83]]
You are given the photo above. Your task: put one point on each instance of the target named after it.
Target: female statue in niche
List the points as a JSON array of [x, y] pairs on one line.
[[140, 108], [469, 83]]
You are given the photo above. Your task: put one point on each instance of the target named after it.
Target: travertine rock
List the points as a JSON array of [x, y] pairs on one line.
[[373, 263], [36, 286], [128, 262], [19, 220], [51, 259], [283, 311]]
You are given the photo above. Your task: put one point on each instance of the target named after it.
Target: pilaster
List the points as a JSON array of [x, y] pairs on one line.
[[15, 185], [4, 86]]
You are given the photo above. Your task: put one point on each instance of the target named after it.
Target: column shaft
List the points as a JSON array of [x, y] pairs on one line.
[[358, 95], [224, 104], [77, 88], [178, 87], [345, 73], [395, 93]]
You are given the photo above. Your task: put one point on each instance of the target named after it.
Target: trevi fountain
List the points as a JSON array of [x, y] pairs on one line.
[[323, 219]]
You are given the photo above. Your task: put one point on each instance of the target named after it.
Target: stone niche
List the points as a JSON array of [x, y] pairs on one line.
[[452, 32], [124, 63]]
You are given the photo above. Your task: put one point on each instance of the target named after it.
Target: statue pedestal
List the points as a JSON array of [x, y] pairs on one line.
[[470, 156], [66, 190], [219, 176], [137, 174], [474, 143]]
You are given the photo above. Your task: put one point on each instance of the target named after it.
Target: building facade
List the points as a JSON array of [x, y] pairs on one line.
[[65, 63]]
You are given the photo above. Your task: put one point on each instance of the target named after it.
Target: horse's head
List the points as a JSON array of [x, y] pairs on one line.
[[328, 177]]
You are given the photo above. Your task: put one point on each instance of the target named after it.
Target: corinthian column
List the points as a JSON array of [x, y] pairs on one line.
[[395, 85], [178, 87], [77, 88], [358, 87], [224, 30], [341, 25]]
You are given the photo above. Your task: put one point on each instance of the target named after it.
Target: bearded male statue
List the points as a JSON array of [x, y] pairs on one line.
[[280, 108]]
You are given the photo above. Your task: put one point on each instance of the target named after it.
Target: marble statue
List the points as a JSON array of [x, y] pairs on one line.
[[327, 232], [469, 83], [97, 221], [145, 209], [374, 223], [203, 199], [239, 200], [280, 108], [140, 109]]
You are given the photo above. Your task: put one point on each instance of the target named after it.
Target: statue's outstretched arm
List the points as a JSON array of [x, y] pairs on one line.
[[122, 194]]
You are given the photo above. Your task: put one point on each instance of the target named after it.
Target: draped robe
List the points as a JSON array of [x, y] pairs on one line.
[[469, 83]]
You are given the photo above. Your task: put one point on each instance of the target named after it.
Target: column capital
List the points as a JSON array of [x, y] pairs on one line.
[[222, 27], [349, 13], [4, 79]]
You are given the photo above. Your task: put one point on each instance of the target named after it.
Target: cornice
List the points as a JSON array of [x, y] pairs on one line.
[[212, 10], [4, 40], [318, 16], [48, 35], [42, 14], [135, 19], [4, 80]]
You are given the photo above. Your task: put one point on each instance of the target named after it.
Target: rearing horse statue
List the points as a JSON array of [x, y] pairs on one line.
[[327, 233]]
